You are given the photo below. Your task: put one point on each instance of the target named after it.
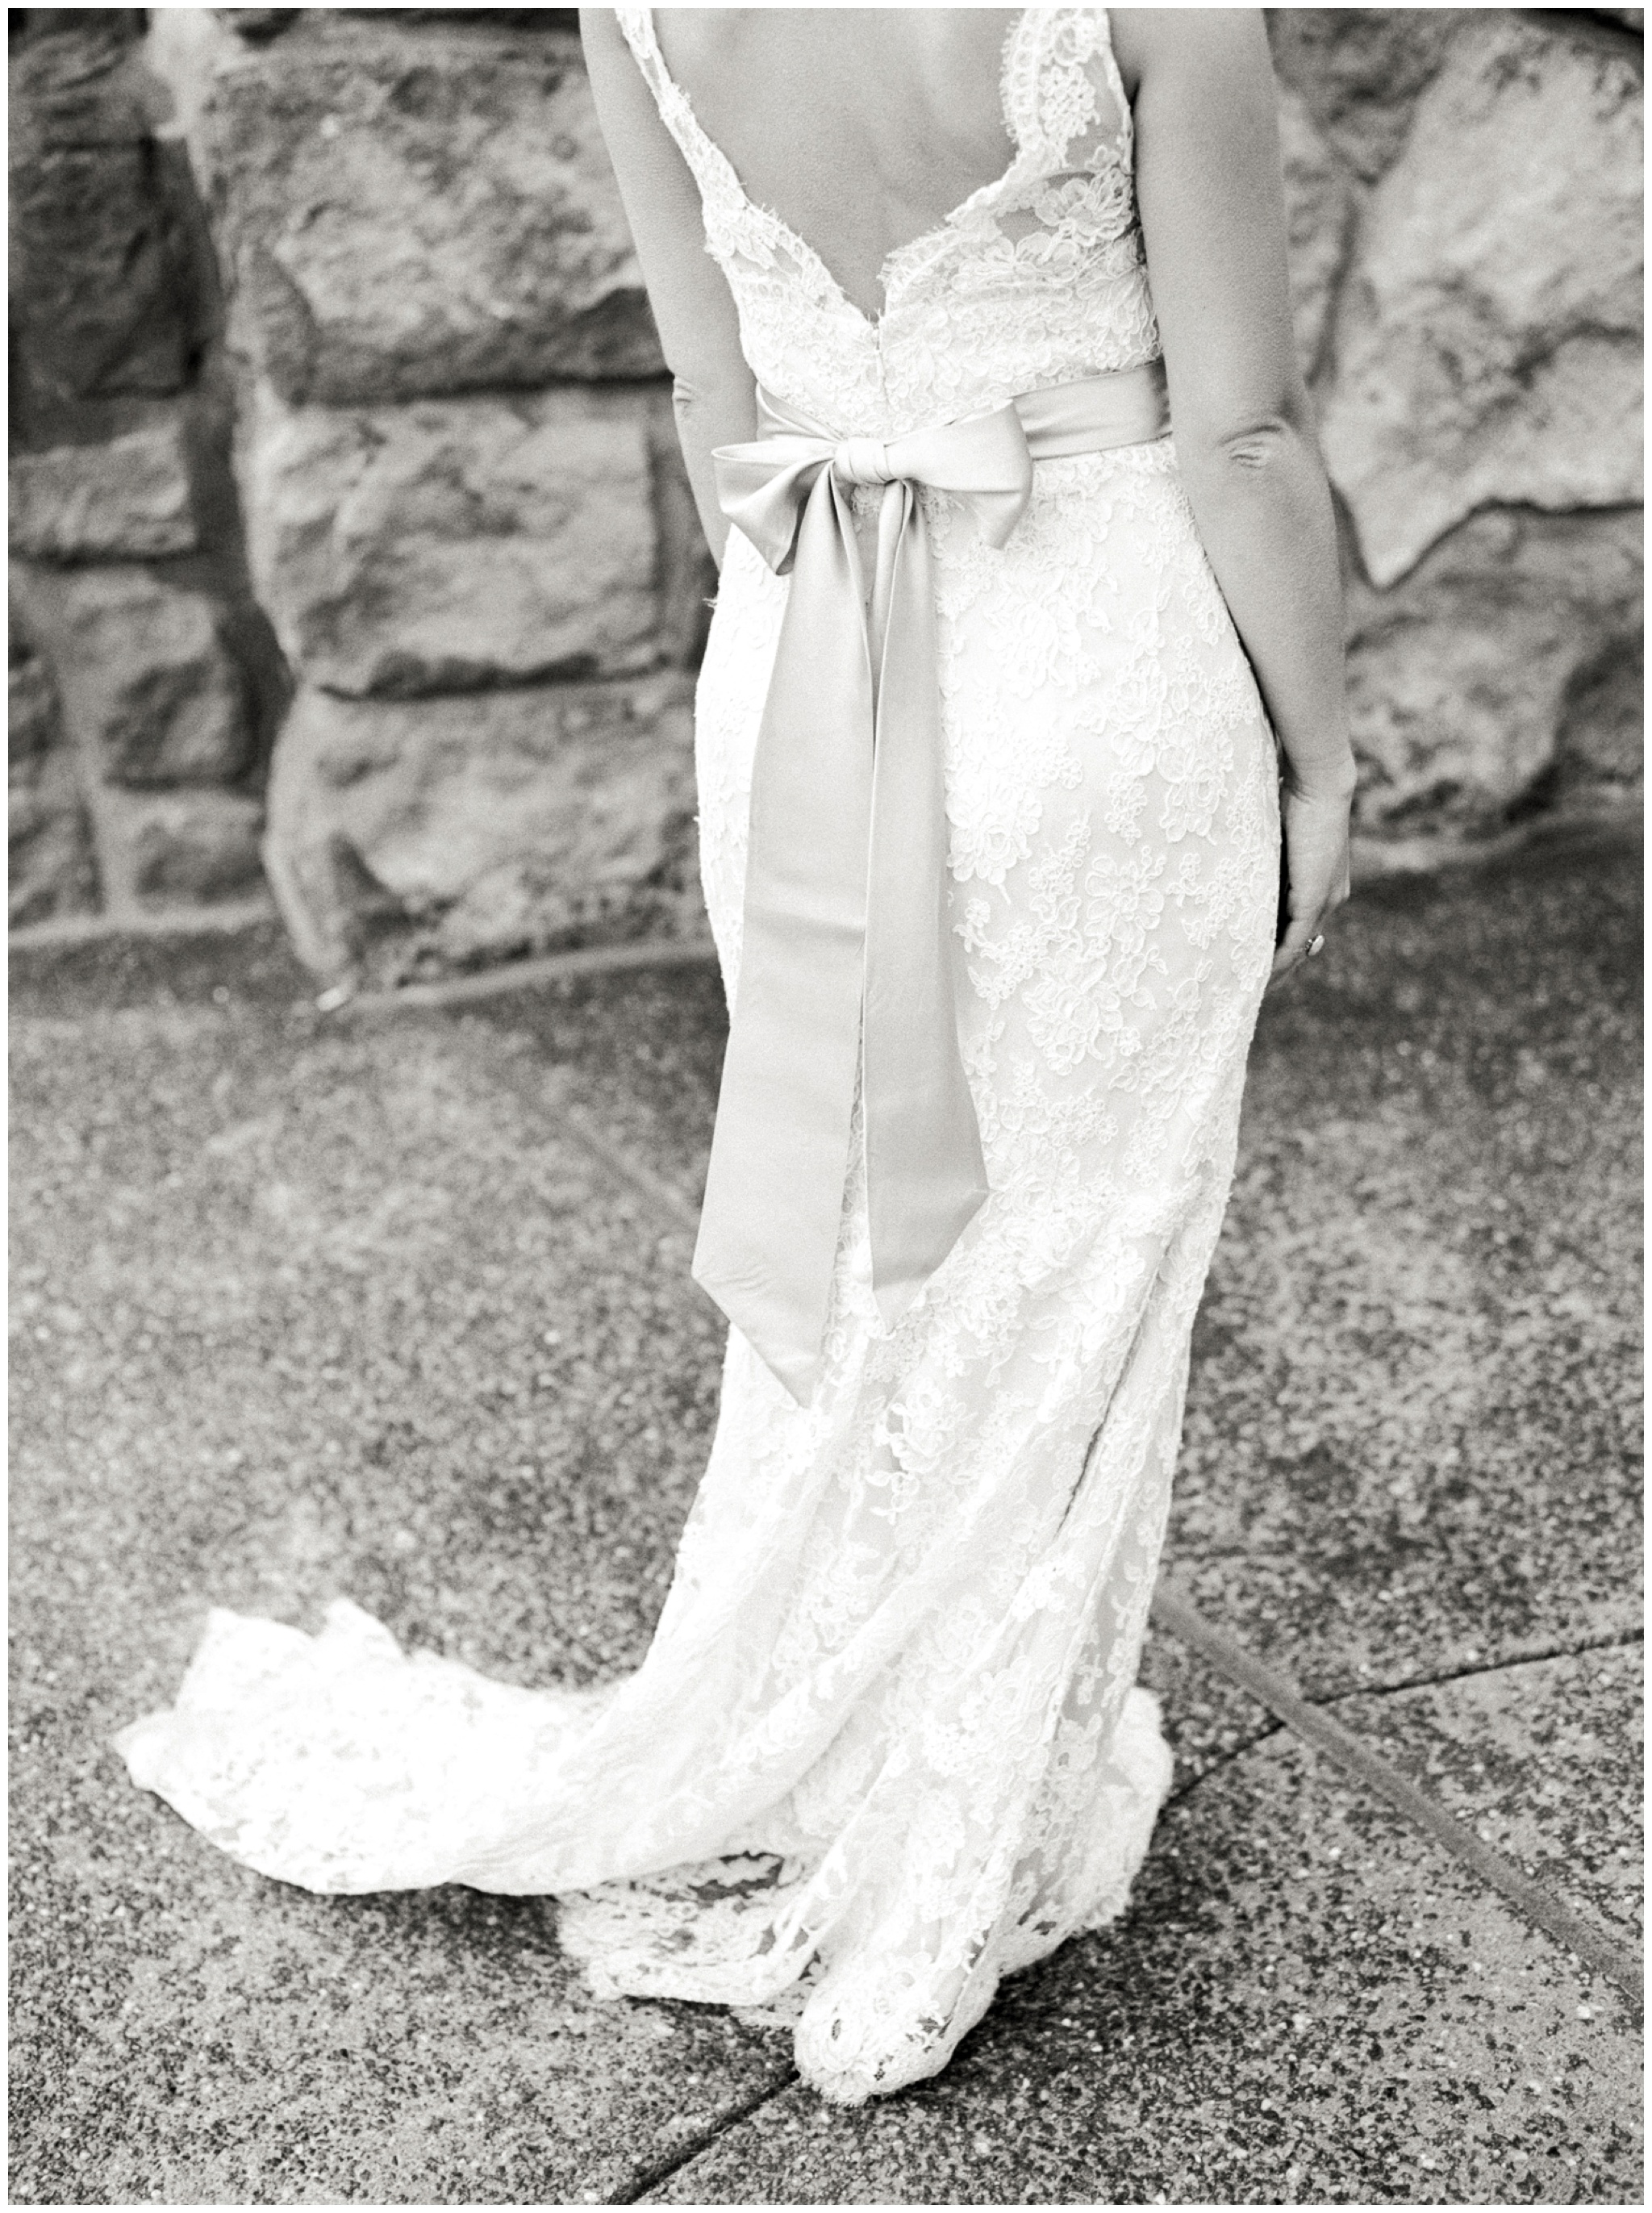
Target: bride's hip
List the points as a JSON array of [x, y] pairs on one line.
[[1090, 668]]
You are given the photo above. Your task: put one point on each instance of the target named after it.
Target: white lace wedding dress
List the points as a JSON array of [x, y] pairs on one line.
[[891, 1698]]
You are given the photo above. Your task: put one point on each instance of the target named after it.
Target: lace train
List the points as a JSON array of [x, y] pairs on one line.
[[340, 1764]]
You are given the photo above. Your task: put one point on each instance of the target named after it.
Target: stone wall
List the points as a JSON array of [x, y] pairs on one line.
[[469, 588], [1465, 205], [145, 682]]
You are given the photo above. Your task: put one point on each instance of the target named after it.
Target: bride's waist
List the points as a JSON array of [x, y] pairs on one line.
[[885, 416], [1057, 480]]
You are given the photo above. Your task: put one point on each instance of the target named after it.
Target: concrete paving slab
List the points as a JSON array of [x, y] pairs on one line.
[[642, 1051], [1412, 1438], [1543, 1760], [1306, 2004], [214, 2038], [362, 1315], [298, 1312], [1207, 1718]]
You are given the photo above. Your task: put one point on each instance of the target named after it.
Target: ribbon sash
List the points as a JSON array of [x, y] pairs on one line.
[[847, 955]]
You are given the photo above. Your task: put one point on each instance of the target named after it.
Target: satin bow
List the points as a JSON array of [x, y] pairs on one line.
[[847, 952]]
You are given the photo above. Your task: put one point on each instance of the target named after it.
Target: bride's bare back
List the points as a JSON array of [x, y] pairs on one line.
[[863, 129]]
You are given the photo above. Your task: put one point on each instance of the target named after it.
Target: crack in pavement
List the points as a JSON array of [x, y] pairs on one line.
[[1619, 1641], [1227, 1754], [1220, 1759], [663, 2170], [1618, 1962], [573, 1121]]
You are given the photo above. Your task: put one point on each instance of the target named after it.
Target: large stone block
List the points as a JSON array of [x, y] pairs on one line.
[[1361, 70], [49, 868], [97, 275], [452, 544], [1487, 345], [191, 848], [99, 282], [513, 819], [154, 687], [34, 719], [1515, 632], [127, 498], [409, 216], [1319, 213], [71, 76], [1600, 747]]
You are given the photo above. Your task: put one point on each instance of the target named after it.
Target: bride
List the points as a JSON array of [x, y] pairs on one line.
[[1007, 696]]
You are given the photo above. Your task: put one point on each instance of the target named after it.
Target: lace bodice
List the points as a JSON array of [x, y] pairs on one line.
[[1037, 279]]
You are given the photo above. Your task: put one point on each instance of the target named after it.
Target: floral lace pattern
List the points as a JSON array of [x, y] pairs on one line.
[[1037, 279], [886, 1746]]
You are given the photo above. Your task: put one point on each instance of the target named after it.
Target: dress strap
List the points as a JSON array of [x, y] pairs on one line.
[[1060, 77], [637, 26], [711, 166]]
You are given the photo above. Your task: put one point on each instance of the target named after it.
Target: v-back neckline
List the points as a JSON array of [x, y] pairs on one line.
[[807, 254]]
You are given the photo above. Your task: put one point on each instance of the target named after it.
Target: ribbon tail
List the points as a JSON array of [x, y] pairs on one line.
[[926, 1176], [779, 1163]]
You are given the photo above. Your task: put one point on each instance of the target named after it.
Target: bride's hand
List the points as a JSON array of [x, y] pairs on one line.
[[1315, 829]]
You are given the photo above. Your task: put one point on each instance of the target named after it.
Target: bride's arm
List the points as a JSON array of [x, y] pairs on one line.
[[1207, 185], [712, 388]]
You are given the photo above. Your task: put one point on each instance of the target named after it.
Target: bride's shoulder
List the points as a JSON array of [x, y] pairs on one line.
[[1160, 42]]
